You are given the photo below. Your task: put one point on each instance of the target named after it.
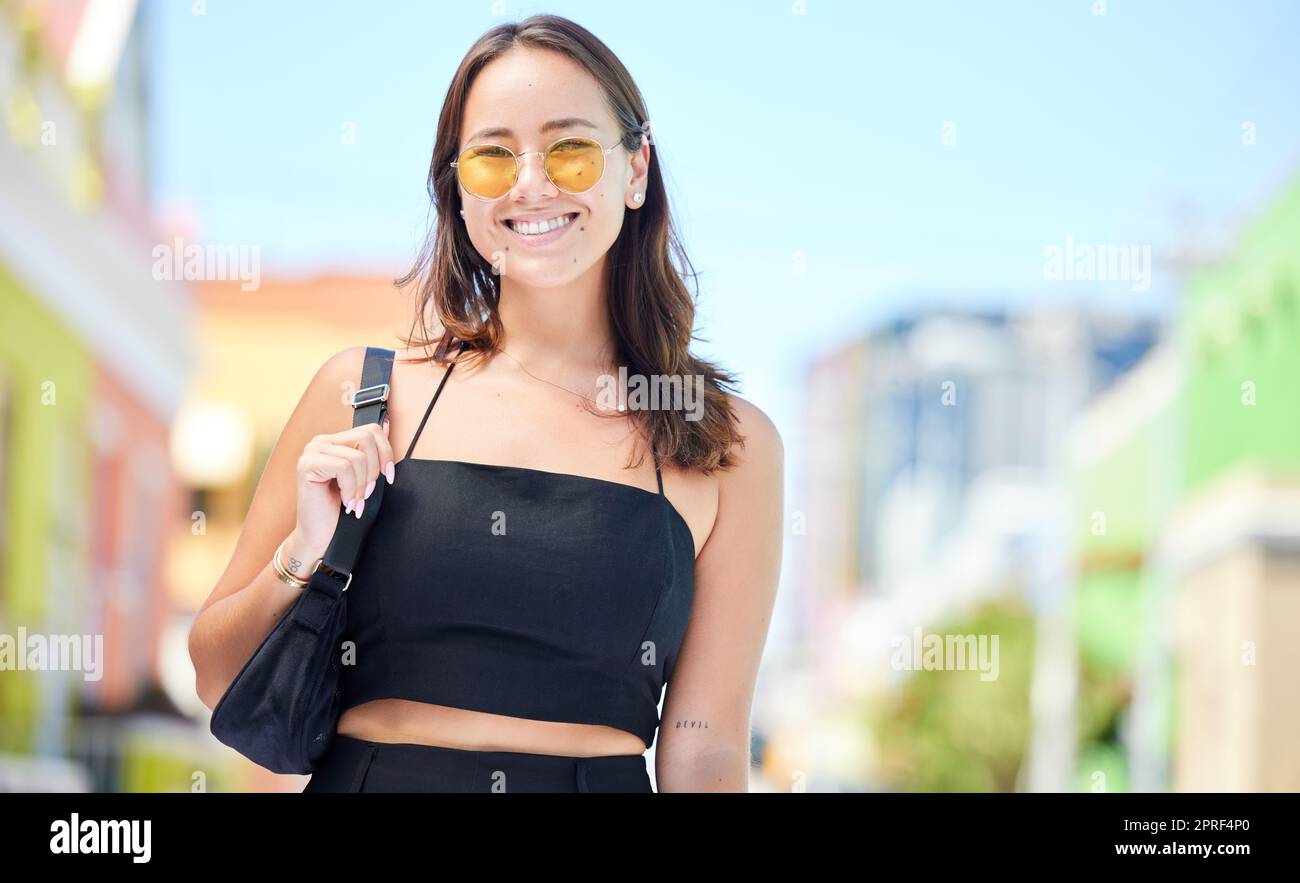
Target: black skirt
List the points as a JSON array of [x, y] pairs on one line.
[[360, 765]]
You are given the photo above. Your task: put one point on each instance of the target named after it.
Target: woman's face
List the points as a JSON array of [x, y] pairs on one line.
[[510, 102]]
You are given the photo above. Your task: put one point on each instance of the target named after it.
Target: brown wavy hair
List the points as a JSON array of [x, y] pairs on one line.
[[651, 310]]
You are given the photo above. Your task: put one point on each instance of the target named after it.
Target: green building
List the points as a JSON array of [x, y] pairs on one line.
[[1186, 491]]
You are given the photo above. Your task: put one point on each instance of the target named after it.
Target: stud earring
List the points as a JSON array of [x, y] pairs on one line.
[[637, 197], [462, 213]]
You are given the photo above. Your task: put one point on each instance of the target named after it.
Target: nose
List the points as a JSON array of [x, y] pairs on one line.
[[532, 180]]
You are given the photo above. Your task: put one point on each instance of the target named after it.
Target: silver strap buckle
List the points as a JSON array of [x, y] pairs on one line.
[[370, 395]]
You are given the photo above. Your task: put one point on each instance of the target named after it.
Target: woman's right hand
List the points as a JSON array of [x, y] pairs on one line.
[[339, 469]]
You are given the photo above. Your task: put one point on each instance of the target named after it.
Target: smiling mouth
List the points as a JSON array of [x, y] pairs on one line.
[[539, 228]]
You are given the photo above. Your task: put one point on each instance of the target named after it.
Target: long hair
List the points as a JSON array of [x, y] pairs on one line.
[[651, 311]]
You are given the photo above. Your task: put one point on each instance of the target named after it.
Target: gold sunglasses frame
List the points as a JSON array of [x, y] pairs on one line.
[[604, 151]]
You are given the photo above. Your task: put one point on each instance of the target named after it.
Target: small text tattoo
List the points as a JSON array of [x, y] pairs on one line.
[[692, 725]]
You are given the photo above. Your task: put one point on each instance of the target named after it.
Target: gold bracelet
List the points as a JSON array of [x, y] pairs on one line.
[[280, 571]]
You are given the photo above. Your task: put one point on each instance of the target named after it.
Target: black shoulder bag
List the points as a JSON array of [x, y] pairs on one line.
[[282, 708]]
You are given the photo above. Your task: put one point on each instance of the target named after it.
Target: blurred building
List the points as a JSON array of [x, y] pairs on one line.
[[1188, 533], [93, 362], [937, 419], [1122, 454], [934, 473]]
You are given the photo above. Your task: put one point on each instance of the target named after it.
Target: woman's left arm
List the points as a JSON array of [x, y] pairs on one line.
[[704, 734]]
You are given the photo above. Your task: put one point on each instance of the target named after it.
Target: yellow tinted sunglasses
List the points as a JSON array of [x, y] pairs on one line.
[[489, 171]]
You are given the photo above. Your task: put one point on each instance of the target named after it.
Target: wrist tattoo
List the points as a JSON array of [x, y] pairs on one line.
[[294, 564]]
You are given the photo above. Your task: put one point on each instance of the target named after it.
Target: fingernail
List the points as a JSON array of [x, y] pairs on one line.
[[388, 472], [370, 487], [347, 506], [361, 505]]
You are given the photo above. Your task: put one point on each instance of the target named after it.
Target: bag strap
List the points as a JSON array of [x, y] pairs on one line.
[[370, 405]]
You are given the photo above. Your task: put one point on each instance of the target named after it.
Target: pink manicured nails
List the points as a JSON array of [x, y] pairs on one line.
[[361, 505], [388, 472], [369, 488]]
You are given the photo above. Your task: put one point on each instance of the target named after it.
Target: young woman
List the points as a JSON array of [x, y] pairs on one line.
[[534, 580]]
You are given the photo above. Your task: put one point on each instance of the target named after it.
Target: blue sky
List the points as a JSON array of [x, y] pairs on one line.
[[817, 134]]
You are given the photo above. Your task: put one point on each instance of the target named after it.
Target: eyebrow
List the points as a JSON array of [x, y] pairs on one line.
[[553, 125]]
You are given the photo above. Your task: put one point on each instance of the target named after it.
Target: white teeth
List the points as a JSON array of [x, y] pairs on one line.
[[533, 228]]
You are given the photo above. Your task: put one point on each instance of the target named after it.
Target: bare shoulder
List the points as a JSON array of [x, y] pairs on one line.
[[750, 488], [761, 449]]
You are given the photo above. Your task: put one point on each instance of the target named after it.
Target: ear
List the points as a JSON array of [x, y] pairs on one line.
[[640, 178]]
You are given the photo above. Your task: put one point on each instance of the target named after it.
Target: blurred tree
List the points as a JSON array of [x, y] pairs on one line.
[[952, 731]]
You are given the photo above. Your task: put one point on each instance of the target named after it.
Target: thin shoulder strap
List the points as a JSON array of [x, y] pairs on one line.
[[658, 476], [433, 401]]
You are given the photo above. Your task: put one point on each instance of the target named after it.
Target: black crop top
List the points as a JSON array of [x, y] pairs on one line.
[[519, 592]]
